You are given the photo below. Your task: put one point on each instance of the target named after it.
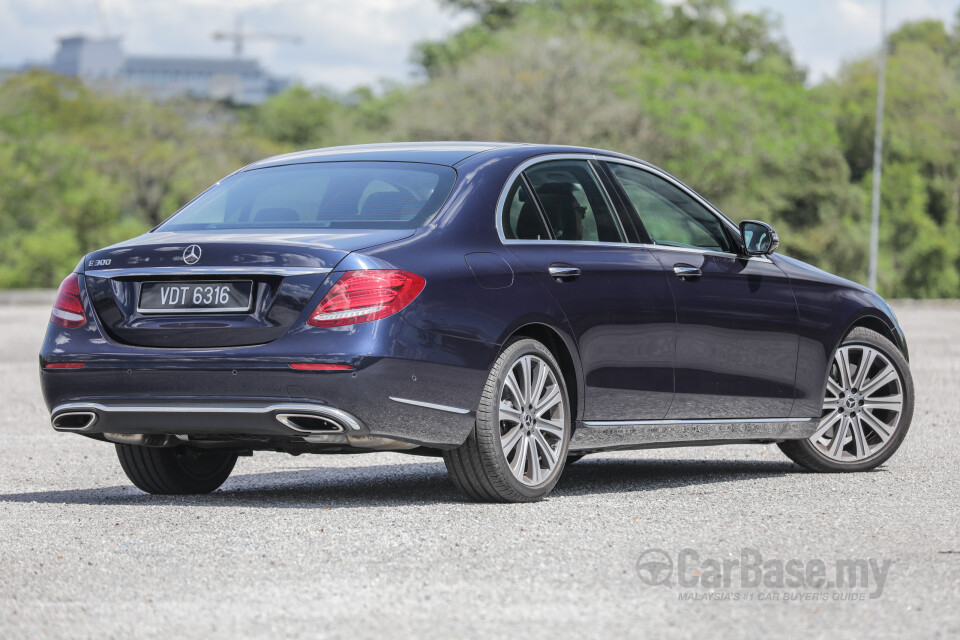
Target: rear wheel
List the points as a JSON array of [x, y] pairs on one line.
[[867, 408], [518, 446], [174, 471]]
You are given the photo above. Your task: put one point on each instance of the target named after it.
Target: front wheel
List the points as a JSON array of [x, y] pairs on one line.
[[175, 471], [518, 446], [867, 408]]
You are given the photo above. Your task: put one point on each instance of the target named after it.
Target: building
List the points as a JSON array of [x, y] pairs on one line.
[[102, 62]]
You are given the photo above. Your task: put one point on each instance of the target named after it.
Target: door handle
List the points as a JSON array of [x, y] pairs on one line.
[[563, 272], [686, 272]]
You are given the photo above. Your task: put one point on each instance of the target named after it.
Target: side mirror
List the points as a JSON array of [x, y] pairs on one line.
[[759, 238]]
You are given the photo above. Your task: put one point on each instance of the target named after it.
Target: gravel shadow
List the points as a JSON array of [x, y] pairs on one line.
[[418, 484]]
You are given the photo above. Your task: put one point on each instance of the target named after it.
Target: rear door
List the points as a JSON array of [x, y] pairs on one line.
[[737, 319], [558, 220]]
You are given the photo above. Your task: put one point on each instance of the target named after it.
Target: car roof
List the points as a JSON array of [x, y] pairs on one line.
[[443, 153]]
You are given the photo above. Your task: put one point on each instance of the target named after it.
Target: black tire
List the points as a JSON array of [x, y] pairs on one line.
[[479, 466], [809, 455], [177, 470]]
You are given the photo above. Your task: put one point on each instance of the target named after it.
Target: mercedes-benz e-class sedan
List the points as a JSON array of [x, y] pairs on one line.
[[508, 307]]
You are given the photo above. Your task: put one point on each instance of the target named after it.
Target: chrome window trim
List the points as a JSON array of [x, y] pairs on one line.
[[205, 271], [642, 245], [529, 162], [502, 201], [708, 252]]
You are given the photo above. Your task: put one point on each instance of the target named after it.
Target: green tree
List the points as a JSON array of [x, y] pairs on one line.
[[81, 169], [920, 203], [710, 94]]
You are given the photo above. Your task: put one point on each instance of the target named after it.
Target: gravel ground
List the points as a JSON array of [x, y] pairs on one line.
[[381, 545]]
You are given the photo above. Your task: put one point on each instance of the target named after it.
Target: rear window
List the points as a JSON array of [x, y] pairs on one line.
[[334, 195]]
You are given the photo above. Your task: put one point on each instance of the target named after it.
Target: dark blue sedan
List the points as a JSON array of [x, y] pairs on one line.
[[508, 307]]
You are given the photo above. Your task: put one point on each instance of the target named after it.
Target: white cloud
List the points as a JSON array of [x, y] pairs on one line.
[[350, 42], [857, 14], [825, 33]]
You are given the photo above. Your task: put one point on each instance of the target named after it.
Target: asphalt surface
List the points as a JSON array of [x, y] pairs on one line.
[[383, 546]]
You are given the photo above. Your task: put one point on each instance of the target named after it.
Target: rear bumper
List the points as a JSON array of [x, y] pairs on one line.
[[277, 420], [414, 386]]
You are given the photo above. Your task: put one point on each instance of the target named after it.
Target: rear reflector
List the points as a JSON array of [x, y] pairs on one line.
[[362, 296], [63, 365], [312, 366], [68, 310]]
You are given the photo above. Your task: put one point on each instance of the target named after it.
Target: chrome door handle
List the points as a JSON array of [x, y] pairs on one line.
[[563, 271], [686, 272]]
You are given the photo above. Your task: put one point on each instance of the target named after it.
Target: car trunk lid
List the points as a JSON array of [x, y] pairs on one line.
[[281, 271]]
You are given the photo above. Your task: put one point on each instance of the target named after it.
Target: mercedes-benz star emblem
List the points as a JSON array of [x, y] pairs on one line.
[[191, 255]]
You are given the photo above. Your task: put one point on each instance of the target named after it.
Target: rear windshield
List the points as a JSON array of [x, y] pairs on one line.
[[334, 195]]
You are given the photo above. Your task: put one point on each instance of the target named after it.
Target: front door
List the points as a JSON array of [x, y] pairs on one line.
[[737, 319]]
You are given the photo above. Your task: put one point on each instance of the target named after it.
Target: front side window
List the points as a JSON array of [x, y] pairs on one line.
[[574, 202], [670, 216], [335, 195]]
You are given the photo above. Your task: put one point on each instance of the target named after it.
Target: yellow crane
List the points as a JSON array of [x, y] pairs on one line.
[[238, 36]]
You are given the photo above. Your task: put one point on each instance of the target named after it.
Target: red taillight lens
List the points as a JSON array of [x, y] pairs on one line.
[[318, 366], [362, 296], [68, 310], [64, 365]]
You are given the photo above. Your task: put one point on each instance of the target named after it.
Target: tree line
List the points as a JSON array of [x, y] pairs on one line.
[[711, 94]]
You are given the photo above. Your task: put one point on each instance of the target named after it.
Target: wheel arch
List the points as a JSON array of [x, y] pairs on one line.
[[881, 326], [566, 355], [867, 321]]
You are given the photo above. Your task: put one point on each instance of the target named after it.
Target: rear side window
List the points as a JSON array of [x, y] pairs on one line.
[[670, 216], [574, 202], [335, 195], [521, 218]]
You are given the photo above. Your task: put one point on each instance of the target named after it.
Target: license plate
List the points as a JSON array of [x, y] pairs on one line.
[[195, 297]]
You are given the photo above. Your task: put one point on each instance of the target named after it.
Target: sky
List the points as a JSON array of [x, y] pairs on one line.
[[346, 43]]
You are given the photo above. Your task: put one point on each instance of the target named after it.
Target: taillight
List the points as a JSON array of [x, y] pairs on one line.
[[320, 366], [68, 310], [362, 296]]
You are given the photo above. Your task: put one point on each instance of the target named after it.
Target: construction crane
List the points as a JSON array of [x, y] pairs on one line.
[[102, 19], [239, 36]]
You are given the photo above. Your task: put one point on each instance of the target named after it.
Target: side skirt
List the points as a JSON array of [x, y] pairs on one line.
[[642, 434]]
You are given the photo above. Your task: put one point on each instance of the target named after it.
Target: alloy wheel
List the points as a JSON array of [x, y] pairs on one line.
[[531, 419], [862, 405]]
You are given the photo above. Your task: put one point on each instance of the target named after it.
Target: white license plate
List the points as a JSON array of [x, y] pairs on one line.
[[195, 297]]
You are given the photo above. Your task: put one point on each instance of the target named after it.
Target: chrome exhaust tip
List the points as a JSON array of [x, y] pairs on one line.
[[73, 420], [308, 423]]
